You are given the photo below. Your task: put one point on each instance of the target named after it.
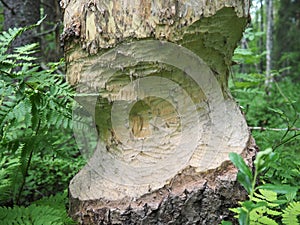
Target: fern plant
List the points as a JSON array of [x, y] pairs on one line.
[[49, 210], [264, 206], [291, 214], [269, 208], [34, 104], [10, 174], [35, 136], [274, 120]]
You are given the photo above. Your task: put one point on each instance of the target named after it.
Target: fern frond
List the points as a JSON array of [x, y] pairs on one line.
[[268, 195], [6, 181], [33, 103], [18, 114], [10, 175], [291, 214], [26, 49], [266, 213], [57, 201], [266, 221], [7, 37], [48, 210], [37, 215]]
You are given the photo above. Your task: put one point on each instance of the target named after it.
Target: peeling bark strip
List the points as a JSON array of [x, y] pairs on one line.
[[156, 120]]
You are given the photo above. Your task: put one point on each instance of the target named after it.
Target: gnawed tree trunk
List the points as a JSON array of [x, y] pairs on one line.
[[156, 120]]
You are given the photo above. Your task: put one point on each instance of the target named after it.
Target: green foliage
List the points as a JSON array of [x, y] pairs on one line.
[[10, 174], [268, 209], [264, 206], [53, 175], [35, 104], [273, 117], [251, 55], [38, 153], [225, 223], [291, 214], [48, 210], [7, 37], [244, 174], [276, 119]]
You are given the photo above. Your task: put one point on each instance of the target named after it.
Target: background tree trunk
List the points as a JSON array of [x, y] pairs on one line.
[[261, 39], [24, 13], [269, 44], [19, 13], [156, 120], [286, 39], [51, 27]]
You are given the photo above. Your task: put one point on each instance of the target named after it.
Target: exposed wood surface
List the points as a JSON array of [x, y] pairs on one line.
[[153, 77], [191, 198]]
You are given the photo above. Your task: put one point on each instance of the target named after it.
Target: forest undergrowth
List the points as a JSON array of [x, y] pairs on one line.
[[273, 116]]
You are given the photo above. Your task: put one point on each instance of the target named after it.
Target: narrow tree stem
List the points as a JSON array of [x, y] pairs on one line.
[[274, 129]]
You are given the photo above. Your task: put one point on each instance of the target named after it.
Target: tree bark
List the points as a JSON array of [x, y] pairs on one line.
[[156, 120]]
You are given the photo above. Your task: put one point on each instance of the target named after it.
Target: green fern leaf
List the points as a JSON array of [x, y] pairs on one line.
[[26, 49], [291, 214], [272, 212], [268, 195], [10, 175], [7, 37], [267, 221], [22, 113], [32, 215], [31, 102], [49, 210]]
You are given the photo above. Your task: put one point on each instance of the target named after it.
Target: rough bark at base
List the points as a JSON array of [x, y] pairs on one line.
[[191, 198]]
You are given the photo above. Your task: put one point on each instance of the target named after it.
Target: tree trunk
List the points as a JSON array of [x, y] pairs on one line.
[[155, 118], [261, 38], [269, 44], [50, 29]]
